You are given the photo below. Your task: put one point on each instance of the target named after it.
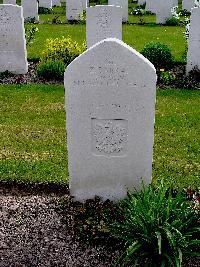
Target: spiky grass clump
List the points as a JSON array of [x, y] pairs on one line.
[[158, 228]]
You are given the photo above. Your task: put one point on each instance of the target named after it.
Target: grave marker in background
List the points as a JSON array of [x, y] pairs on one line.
[[12, 42], [73, 10], [123, 4], [45, 3], [164, 11], [188, 5], [151, 5], [193, 56], [103, 22], [56, 3], [110, 105], [9, 2], [30, 9]]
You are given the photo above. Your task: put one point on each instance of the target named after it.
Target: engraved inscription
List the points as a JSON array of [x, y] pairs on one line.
[[109, 136]]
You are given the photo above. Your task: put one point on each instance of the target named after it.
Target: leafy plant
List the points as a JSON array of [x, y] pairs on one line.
[[158, 228], [30, 32], [56, 20], [44, 10], [166, 77], [172, 21], [63, 49], [159, 54], [51, 70]]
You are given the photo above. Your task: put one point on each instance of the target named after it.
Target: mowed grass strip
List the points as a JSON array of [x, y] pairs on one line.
[[33, 135], [134, 35]]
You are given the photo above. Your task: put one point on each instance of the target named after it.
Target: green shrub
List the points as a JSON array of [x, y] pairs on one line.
[[166, 77], [51, 70], [64, 49], [159, 54], [44, 10], [158, 228], [173, 21]]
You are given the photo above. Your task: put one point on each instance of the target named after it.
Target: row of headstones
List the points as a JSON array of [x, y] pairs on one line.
[[102, 22], [163, 8], [110, 108], [151, 5]]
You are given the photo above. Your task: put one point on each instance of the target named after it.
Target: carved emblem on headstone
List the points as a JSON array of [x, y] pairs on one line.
[[109, 136]]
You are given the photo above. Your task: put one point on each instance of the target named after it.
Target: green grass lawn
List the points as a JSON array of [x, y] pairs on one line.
[[134, 35], [33, 136]]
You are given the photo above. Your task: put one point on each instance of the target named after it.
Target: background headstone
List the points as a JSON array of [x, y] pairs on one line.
[[85, 4], [12, 42], [103, 22], [9, 2], [110, 105], [124, 5], [193, 57], [141, 2], [45, 3], [73, 9], [151, 5], [188, 5], [164, 11], [56, 3], [30, 9]]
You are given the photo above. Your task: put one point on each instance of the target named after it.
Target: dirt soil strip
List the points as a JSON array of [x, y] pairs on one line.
[[32, 232]]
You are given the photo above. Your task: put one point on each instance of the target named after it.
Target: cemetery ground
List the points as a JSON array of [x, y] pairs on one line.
[[41, 225]]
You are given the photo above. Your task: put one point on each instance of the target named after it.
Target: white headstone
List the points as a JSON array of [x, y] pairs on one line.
[[188, 5], [13, 56], [141, 2], [193, 57], [151, 5], [30, 9], [9, 2], [45, 3], [73, 9], [175, 3], [103, 22], [123, 4], [164, 11], [56, 3], [85, 4], [110, 104]]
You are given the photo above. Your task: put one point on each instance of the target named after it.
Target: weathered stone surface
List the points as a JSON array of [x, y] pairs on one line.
[[12, 42], [103, 22], [30, 9], [85, 4], [151, 5], [193, 57], [141, 2], [73, 9], [110, 104], [45, 3], [124, 6], [56, 3], [164, 10], [188, 5], [9, 2]]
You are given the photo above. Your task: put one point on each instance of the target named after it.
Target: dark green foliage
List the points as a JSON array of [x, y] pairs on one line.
[[184, 13], [44, 10], [158, 228], [172, 21], [51, 70], [159, 54]]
